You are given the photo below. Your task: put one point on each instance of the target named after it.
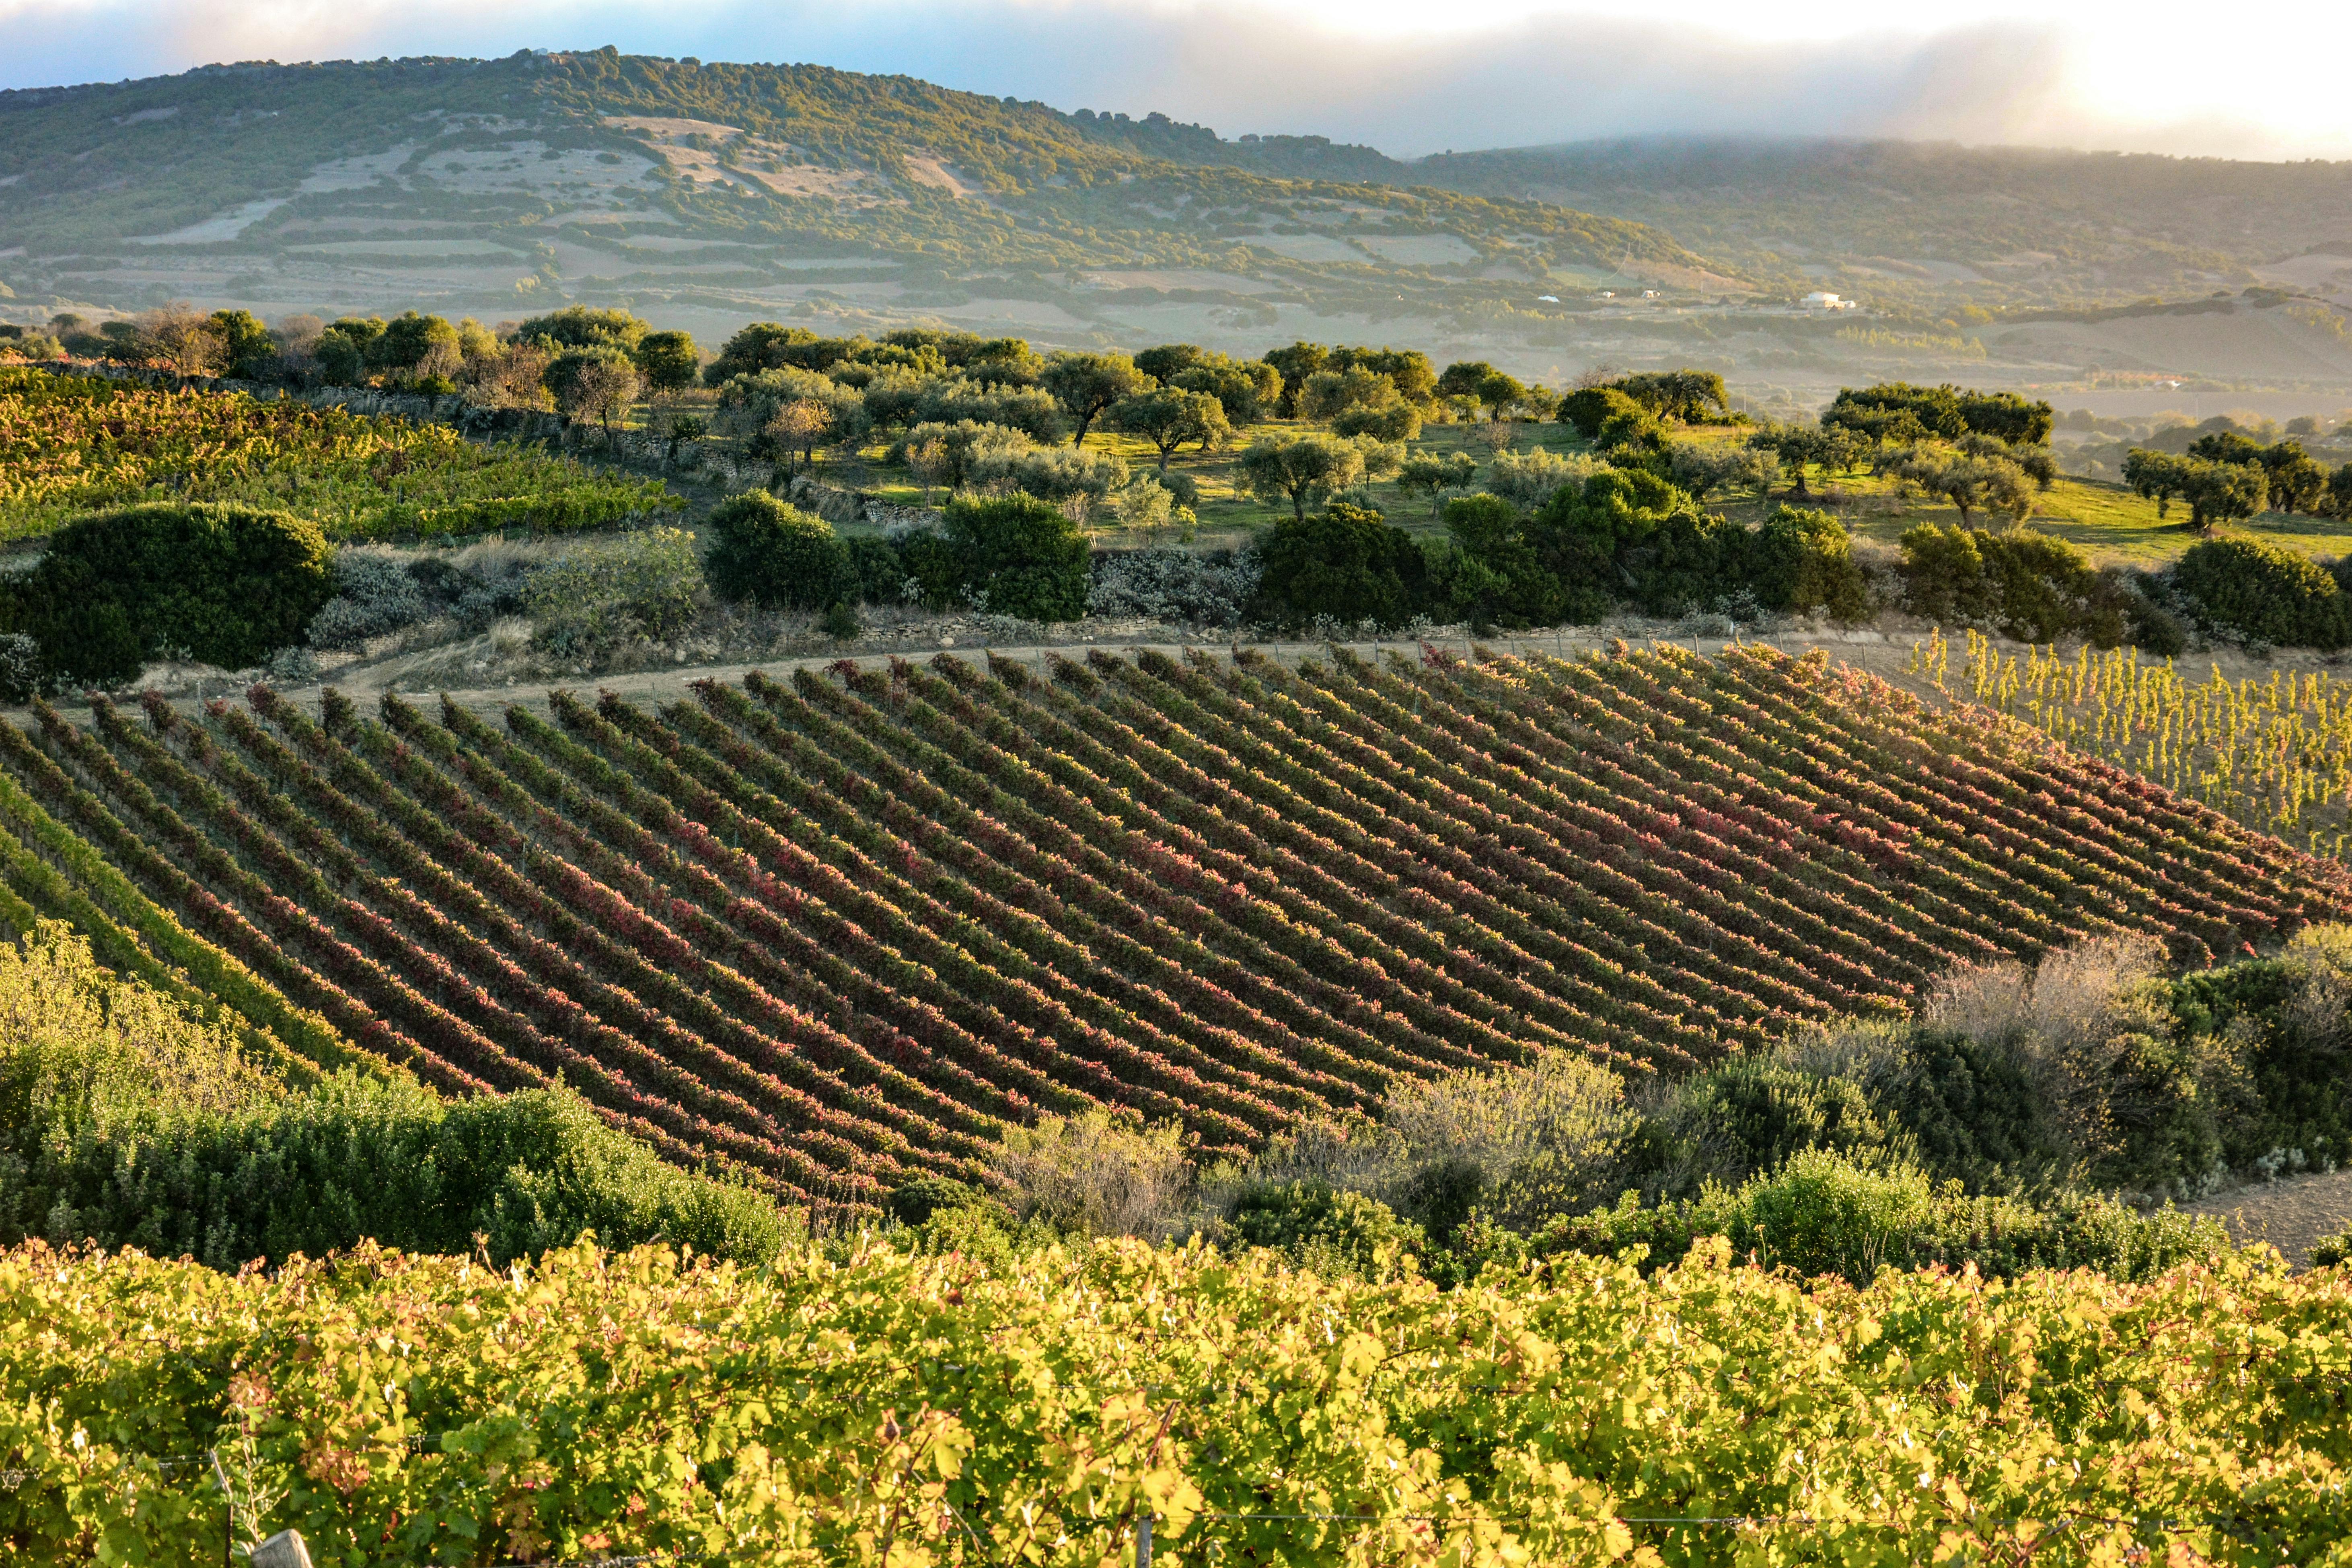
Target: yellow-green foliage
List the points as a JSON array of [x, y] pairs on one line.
[[74, 444], [865, 1406], [2275, 755], [80, 1047]]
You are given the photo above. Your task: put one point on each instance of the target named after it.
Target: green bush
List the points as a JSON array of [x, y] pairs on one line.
[[1822, 1212], [601, 593], [777, 555], [227, 584], [1345, 563], [1799, 560], [1753, 1115], [1973, 1115], [1022, 554], [2264, 591], [2028, 584], [126, 1121], [1320, 1228], [1592, 407]]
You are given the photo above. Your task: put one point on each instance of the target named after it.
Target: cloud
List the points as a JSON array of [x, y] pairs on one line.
[[1523, 73]]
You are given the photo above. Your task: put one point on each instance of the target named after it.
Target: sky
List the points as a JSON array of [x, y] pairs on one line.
[[1409, 79]]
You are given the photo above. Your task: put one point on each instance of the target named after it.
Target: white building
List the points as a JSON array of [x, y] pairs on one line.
[[1818, 300]]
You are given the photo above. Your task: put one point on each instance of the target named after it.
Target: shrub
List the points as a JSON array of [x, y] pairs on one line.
[[1017, 555], [1751, 1115], [2028, 584], [1800, 560], [1345, 564], [601, 593], [1592, 407], [126, 1120], [2264, 591], [1325, 1229], [20, 666], [375, 594], [1528, 480], [227, 584], [1824, 1212], [1206, 588], [1098, 1173], [1519, 1144], [777, 556]]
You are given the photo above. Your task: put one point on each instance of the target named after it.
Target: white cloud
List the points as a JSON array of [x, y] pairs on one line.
[[1407, 77]]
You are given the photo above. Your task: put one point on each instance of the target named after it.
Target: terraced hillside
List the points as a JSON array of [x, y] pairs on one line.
[[844, 927]]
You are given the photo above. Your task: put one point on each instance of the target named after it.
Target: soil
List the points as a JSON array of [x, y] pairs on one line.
[[2290, 1214]]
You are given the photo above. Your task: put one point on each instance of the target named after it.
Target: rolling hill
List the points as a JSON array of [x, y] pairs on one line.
[[844, 929], [704, 195], [486, 185]]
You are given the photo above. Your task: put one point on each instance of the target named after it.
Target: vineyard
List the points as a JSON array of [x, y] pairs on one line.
[[866, 1405], [2275, 755], [843, 929], [70, 444]]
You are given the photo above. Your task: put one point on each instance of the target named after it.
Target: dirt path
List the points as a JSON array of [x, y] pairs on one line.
[[2290, 1215], [420, 675]]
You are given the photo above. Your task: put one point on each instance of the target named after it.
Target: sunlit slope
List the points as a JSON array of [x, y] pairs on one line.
[[843, 927]]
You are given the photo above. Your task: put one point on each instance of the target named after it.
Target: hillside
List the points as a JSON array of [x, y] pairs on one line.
[[489, 185], [1922, 221], [846, 928]]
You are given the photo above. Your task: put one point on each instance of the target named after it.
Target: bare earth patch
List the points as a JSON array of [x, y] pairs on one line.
[[2290, 1215]]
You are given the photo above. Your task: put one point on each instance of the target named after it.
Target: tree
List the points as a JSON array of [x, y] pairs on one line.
[[1247, 388], [1169, 361], [1947, 412], [1588, 408], [2296, 482], [1169, 418], [2155, 476], [1301, 469], [1087, 383], [1796, 446], [1994, 484], [1499, 393], [1295, 364], [603, 390], [1428, 474], [2223, 492], [668, 361], [578, 326], [763, 345], [341, 350], [1692, 396], [800, 425], [1330, 393], [248, 351], [405, 343], [180, 339], [514, 378], [1463, 379], [1407, 370]]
